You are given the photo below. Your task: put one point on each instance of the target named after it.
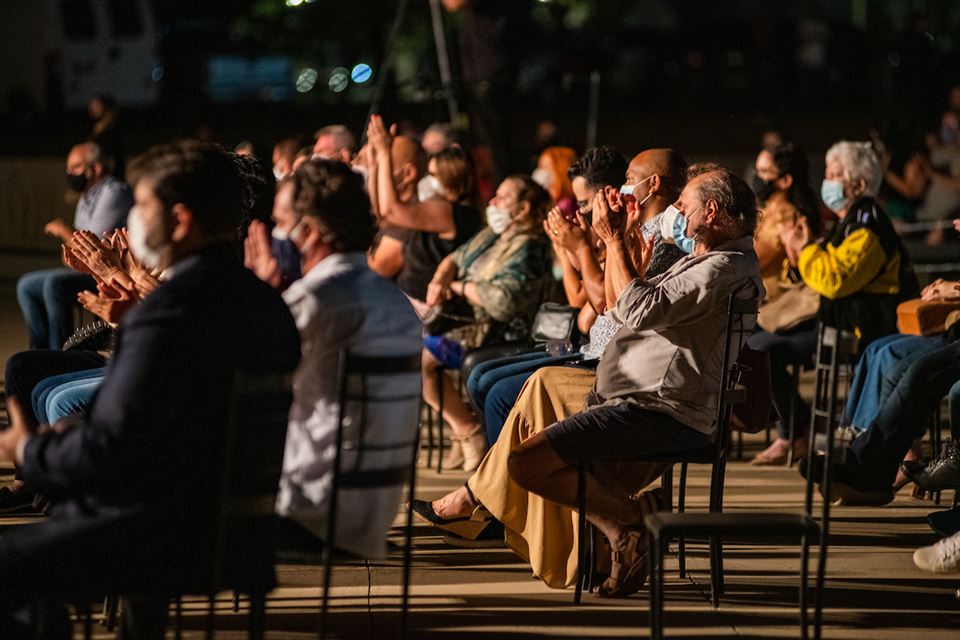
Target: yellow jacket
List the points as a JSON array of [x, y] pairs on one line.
[[857, 264]]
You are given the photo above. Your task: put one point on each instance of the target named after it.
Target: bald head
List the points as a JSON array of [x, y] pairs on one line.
[[407, 151], [409, 165], [669, 167], [85, 163]]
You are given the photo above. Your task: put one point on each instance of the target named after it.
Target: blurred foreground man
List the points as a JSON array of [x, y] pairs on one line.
[[136, 477]]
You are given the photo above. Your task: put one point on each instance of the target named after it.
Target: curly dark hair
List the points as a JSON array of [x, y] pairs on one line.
[[203, 177], [332, 193], [600, 167]]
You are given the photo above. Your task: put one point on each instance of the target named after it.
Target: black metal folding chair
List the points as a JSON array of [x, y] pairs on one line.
[[242, 539], [835, 349], [358, 369]]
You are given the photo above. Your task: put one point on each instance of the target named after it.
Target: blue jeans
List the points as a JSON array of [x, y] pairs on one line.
[[492, 374], [47, 299], [486, 374], [881, 366], [904, 416], [58, 396]]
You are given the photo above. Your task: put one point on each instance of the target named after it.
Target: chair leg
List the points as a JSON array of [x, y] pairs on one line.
[[236, 601], [739, 445], [656, 549], [178, 619], [430, 443], [87, 615], [681, 505], [257, 618], [804, 579], [581, 533], [440, 420], [791, 420], [211, 615], [111, 606]]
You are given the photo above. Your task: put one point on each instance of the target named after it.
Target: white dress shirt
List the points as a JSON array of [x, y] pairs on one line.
[[341, 304]]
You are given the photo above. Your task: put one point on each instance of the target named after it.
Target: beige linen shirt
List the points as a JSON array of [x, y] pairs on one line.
[[668, 354]]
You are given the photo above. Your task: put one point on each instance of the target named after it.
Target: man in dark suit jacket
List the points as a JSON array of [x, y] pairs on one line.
[[137, 475]]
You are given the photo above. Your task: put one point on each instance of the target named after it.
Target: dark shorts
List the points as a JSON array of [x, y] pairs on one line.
[[611, 433]]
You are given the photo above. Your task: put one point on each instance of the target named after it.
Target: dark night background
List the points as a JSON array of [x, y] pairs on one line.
[[706, 77]]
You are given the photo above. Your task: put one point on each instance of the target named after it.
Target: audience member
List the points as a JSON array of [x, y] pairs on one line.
[[409, 172], [499, 277], [862, 271], [124, 521], [443, 217], [47, 297], [438, 137], [784, 194], [551, 174], [341, 305], [334, 142]]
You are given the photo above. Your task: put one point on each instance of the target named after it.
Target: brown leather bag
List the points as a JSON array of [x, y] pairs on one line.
[[753, 414], [918, 318]]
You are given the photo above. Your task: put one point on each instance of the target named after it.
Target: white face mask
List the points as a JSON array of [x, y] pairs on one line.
[[630, 189], [151, 257], [278, 173], [428, 187], [543, 177], [279, 234], [498, 219], [319, 156]]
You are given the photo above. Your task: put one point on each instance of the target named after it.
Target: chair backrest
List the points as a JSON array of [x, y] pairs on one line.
[[355, 374], [252, 462], [741, 321]]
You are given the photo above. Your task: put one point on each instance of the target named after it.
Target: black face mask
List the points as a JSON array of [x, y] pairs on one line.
[[77, 182], [763, 188]]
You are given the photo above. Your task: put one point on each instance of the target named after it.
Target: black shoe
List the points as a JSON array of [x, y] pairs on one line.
[[491, 537], [16, 501], [911, 468], [424, 509], [946, 523], [846, 487], [943, 472]]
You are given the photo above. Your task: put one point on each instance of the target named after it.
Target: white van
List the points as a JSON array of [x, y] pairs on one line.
[[62, 52]]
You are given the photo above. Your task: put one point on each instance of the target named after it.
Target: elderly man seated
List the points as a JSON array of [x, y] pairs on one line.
[[653, 393]]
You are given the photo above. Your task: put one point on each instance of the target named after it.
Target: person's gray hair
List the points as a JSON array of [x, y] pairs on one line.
[[859, 162], [342, 137], [735, 200]]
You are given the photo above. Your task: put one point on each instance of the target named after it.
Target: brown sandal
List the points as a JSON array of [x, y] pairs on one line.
[[628, 570]]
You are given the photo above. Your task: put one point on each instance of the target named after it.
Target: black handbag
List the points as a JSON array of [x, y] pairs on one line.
[[447, 316], [555, 322], [96, 336]]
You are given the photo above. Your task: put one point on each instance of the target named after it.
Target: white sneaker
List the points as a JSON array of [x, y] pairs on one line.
[[941, 557]]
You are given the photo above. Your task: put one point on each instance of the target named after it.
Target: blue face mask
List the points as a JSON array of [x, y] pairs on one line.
[[674, 226], [831, 192]]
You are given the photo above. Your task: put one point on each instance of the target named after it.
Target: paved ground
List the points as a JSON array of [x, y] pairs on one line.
[[873, 590]]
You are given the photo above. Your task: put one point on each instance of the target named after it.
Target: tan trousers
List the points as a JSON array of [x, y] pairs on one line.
[[542, 532]]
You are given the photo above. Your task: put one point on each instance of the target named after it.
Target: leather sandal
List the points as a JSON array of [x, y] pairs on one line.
[[628, 569]]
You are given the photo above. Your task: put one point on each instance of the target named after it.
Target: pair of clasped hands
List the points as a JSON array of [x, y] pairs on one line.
[[615, 219]]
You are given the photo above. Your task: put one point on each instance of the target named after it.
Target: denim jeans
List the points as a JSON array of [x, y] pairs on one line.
[[64, 394], [880, 367], [47, 299], [904, 416], [496, 373], [27, 369]]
